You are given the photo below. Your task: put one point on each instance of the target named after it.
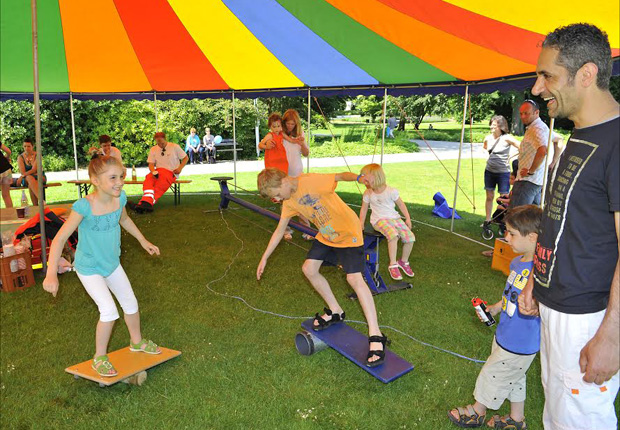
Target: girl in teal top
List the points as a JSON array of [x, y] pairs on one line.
[[98, 218]]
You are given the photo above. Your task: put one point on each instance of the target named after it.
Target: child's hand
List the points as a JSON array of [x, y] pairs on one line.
[[150, 248], [260, 269], [270, 144], [50, 284], [408, 223]]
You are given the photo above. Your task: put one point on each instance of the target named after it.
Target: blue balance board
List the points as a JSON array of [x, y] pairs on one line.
[[354, 346]]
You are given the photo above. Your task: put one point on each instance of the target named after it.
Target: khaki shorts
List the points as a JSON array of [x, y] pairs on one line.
[[502, 377]]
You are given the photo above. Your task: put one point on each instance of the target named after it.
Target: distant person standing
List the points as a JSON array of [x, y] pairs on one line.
[[532, 152], [192, 147], [497, 171], [6, 175], [391, 126]]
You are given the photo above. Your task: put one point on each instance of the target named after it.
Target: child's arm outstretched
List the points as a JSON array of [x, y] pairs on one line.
[[276, 237], [128, 224], [349, 177], [50, 283], [363, 212], [403, 210]]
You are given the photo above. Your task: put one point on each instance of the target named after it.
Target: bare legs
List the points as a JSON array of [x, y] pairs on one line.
[[6, 195], [104, 332], [392, 250], [356, 281], [488, 204]]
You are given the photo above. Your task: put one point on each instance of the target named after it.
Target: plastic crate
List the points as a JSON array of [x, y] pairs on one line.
[[20, 280]]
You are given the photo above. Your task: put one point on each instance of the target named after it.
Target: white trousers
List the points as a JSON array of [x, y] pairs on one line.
[[100, 289], [571, 403]]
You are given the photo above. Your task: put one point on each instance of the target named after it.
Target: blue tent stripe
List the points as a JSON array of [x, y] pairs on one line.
[[310, 58]]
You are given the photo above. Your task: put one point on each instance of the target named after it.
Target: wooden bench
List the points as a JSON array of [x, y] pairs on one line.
[[46, 185], [84, 187]]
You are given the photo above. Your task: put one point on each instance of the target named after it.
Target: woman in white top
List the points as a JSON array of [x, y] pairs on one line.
[[296, 146]]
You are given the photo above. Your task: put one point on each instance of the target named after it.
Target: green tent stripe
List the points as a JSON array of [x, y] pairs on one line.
[[16, 47], [380, 58]]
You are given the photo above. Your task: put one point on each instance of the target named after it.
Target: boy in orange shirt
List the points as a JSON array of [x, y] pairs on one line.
[[340, 239], [273, 144]]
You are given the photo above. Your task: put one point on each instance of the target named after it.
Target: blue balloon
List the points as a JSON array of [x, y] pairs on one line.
[[217, 140]]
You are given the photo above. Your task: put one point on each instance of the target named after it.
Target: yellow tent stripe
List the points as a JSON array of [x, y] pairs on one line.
[[240, 58], [546, 16]]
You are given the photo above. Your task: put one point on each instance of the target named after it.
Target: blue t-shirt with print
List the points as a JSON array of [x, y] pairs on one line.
[[519, 334], [99, 239]]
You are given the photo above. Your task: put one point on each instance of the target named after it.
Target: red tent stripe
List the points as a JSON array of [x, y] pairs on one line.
[[165, 49], [506, 39]]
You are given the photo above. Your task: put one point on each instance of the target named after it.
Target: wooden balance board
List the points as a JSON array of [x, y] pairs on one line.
[[131, 366]]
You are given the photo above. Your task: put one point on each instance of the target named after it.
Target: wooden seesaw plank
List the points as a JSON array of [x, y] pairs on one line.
[[354, 345], [126, 363]]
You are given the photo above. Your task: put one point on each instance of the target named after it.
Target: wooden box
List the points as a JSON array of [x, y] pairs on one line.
[[19, 280], [502, 256]]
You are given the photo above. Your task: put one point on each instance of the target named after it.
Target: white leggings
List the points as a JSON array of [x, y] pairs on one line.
[[99, 287]]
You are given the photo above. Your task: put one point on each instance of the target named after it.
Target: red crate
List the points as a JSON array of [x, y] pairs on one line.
[[14, 281]]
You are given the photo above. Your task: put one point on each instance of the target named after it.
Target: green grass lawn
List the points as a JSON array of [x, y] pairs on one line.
[[239, 368]]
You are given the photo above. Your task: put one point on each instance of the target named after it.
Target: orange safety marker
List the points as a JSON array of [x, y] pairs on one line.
[[131, 366]]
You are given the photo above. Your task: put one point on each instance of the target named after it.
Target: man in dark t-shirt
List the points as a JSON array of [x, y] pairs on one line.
[[575, 281]]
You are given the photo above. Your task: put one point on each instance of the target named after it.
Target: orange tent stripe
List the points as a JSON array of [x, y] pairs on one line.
[[167, 52], [458, 57], [506, 39], [100, 57]]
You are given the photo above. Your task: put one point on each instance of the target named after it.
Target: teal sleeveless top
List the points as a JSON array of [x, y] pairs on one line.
[[99, 239]]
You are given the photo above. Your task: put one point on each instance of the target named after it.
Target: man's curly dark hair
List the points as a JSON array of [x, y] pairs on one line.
[[579, 44]]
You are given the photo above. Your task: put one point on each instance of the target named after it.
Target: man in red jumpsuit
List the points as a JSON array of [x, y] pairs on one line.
[[166, 160]]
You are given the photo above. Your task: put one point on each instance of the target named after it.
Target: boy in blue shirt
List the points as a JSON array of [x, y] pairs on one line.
[[517, 338]]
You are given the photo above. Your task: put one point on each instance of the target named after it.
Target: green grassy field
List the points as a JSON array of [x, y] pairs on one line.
[[239, 368]]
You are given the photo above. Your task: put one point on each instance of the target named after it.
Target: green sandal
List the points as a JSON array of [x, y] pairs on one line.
[[468, 417], [103, 367], [506, 423], [147, 346]]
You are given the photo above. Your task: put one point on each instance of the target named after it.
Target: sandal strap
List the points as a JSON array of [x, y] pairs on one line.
[[102, 361], [382, 339], [380, 354]]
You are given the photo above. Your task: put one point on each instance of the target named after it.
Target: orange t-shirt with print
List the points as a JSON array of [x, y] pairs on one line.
[[276, 156], [316, 199]]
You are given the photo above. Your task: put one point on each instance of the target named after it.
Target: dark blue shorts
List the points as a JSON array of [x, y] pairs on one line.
[[499, 180], [351, 259]]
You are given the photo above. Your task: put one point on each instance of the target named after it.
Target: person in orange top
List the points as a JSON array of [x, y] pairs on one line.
[[273, 144], [339, 240]]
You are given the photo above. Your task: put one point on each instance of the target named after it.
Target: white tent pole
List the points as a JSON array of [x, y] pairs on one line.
[[156, 115], [37, 131], [234, 142], [383, 133], [458, 167], [256, 128], [75, 157], [308, 132], [549, 143]]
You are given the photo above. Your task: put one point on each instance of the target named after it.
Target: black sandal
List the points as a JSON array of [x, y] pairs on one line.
[[381, 354], [323, 323]]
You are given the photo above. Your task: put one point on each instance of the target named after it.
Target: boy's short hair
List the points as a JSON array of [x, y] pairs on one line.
[[377, 172], [269, 179], [104, 138], [159, 134], [273, 118], [526, 219]]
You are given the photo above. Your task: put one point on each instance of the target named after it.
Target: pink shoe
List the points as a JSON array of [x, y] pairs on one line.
[[406, 268], [395, 273]]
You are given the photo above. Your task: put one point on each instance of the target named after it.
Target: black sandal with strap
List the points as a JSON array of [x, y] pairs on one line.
[[374, 352], [323, 323]]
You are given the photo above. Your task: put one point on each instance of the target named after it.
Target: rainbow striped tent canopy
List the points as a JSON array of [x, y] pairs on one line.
[[100, 47]]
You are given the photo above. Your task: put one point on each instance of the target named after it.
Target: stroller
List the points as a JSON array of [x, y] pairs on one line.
[[497, 219]]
